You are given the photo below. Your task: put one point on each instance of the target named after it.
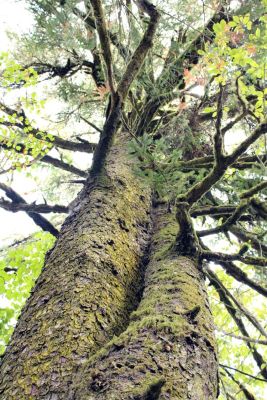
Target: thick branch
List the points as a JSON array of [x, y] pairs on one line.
[[200, 188], [231, 220], [37, 208], [255, 189], [140, 53], [37, 218], [251, 239], [63, 165], [129, 75], [21, 149], [104, 41], [208, 255]]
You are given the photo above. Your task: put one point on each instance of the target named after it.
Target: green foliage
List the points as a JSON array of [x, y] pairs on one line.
[[238, 52], [16, 130], [19, 268], [161, 165], [14, 74]]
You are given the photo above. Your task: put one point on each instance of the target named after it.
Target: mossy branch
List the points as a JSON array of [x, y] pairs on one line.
[[39, 220], [104, 41], [219, 169], [210, 256]]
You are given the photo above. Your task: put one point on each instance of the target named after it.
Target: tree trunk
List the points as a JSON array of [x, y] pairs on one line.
[[168, 350], [90, 285]]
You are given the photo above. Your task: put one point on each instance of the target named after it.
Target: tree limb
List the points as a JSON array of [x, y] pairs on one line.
[[243, 373], [244, 338], [37, 208], [248, 395], [55, 141], [37, 218], [208, 255], [222, 292], [200, 188], [104, 41]]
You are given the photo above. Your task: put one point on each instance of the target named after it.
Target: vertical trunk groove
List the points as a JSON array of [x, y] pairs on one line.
[[87, 289], [168, 350]]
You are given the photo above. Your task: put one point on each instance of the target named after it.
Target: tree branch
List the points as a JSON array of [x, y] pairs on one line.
[[39, 220], [210, 256], [247, 394], [240, 306], [37, 208], [243, 373], [104, 41], [21, 149], [244, 338], [132, 69], [222, 292], [200, 188], [55, 141], [234, 217]]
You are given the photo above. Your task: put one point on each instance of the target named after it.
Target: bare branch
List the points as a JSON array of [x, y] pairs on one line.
[[248, 395], [243, 373], [210, 256], [224, 297], [244, 338], [37, 218], [38, 208]]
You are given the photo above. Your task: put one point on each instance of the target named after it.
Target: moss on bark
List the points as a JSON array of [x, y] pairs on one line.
[[168, 350], [88, 287]]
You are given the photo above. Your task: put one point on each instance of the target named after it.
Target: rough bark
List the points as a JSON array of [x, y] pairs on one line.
[[87, 289], [168, 350]]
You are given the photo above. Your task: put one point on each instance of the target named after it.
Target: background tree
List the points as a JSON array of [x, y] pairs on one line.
[[176, 192]]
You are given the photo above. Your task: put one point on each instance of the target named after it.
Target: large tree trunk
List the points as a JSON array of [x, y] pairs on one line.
[[90, 285], [168, 350]]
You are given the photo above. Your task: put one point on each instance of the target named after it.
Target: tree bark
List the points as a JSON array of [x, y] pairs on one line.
[[168, 350], [85, 334], [88, 287]]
